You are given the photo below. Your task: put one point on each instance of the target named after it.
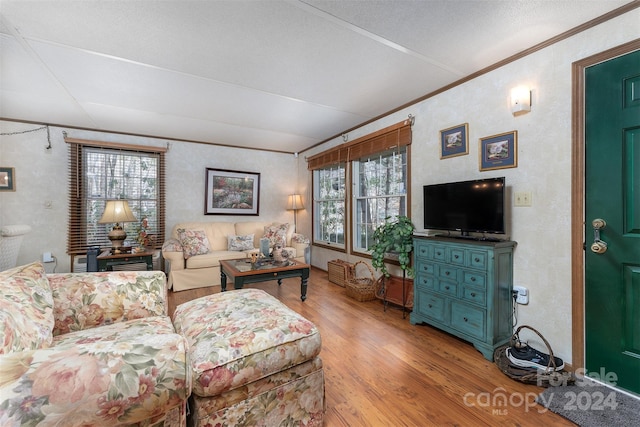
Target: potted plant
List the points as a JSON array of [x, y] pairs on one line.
[[394, 237]]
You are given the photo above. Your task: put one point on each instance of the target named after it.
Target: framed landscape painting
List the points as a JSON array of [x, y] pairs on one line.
[[230, 192], [499, 151], [454, 141]]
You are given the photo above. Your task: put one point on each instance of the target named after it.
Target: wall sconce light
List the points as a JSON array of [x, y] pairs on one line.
[[294, 203], [520, 100]]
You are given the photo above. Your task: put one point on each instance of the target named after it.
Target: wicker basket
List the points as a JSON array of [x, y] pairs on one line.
[[339, 271], [539, 377], [361, 288]]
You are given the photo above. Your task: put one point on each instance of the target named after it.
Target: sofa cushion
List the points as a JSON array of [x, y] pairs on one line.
[[240, 243], [120, 374], [277, 234], [240, 336], [26, 309], [89, 300], [194, 242], [212, 259]]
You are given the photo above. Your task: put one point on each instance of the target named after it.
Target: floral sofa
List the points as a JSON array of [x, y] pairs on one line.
[[80, 349], [254, 361], [194, 250]]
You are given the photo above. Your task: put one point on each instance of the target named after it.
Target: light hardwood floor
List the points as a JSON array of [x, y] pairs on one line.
[[382, 371]]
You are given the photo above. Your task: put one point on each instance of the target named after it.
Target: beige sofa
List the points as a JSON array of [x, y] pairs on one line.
[[194, 250]]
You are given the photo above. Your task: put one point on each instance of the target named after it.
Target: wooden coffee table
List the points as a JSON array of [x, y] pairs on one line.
[[242, 272]]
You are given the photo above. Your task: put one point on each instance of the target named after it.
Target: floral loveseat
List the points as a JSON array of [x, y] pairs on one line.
[[80, 349], [194, 250]]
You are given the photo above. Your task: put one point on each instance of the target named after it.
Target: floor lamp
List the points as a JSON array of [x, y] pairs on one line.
[[294, 203]]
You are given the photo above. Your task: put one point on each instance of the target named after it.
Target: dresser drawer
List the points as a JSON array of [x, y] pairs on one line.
[[439, 253], [478, 259], [467, 319], [474, 295], [425, 281], [457, 256], [474, 279], [424, 267], [423, 249], [431, 305], [449, 288], [446, 272]]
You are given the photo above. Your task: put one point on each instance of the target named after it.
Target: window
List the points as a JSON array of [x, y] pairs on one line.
[[380, 187], [329, 205], [98, 174]]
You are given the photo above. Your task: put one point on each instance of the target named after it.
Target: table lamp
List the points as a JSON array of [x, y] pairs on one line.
[[117, 211]]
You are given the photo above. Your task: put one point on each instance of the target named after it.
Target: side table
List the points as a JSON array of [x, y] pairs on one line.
[[106, 261]]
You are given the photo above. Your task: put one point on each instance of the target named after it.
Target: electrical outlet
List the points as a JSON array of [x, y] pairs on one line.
[[47, 257], [522, 198], [522, 296]]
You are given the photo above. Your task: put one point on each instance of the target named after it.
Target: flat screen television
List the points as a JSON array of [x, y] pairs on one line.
[[466, 206]]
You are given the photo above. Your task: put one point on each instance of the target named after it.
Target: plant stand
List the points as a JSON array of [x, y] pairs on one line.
[[397, 291]]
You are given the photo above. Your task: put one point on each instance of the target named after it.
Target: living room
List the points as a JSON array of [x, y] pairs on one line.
[[543, 231]]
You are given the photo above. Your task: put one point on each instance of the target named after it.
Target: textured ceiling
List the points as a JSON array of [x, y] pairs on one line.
[[274, 75]]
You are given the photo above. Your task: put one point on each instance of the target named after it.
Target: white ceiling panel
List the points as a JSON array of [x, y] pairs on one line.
[[279, 75]]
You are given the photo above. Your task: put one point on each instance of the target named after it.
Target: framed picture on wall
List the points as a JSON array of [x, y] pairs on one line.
[[454, 141], [7, 179], [230, 192], [499, 151]]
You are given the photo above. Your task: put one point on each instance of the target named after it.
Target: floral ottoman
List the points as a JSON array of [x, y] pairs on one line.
[[254, 361]]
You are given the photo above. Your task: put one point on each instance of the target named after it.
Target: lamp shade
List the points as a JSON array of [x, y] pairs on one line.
[[117, 211], [294, 203]]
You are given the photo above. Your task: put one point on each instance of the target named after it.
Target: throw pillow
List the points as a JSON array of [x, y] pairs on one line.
[[276, 233], [26, 309], [194, 242], [240, 243]]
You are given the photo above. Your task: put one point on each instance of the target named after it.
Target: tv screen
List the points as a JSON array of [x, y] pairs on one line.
[[467, 206]]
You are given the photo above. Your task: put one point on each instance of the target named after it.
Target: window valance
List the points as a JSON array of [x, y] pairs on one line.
[[397, 135]]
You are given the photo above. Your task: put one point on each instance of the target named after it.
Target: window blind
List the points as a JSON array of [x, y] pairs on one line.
[[99, 171]]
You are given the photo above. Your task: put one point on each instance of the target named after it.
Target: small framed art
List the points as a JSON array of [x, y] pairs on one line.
[[499, 151], [230, 192], [7, 179], [454, 141]]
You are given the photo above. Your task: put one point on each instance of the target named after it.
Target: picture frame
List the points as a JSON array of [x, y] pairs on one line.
[[7, 179], [454, 141], [229, 192], [499, 151]]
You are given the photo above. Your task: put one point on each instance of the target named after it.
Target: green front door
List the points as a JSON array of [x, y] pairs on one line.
[[612, 262]]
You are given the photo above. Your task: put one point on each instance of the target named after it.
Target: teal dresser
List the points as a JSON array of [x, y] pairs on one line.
[[464, 288]]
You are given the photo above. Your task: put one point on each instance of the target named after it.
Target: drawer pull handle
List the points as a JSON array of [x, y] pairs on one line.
[[473, 279], [476, 259], [430, 306], [438, 253], [446, 287], [275, 274], [473, 294], [447, 273], [465, 319], [456, 256]]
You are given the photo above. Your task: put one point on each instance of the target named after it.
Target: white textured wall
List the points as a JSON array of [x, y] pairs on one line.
[[543, 231], [42, 175]]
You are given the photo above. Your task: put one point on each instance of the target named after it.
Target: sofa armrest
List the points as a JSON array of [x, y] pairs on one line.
[[173, 252], [87, 300], [299, 242], [143, 372]]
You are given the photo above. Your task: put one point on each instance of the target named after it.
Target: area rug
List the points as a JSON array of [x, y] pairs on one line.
[[590, 404]]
